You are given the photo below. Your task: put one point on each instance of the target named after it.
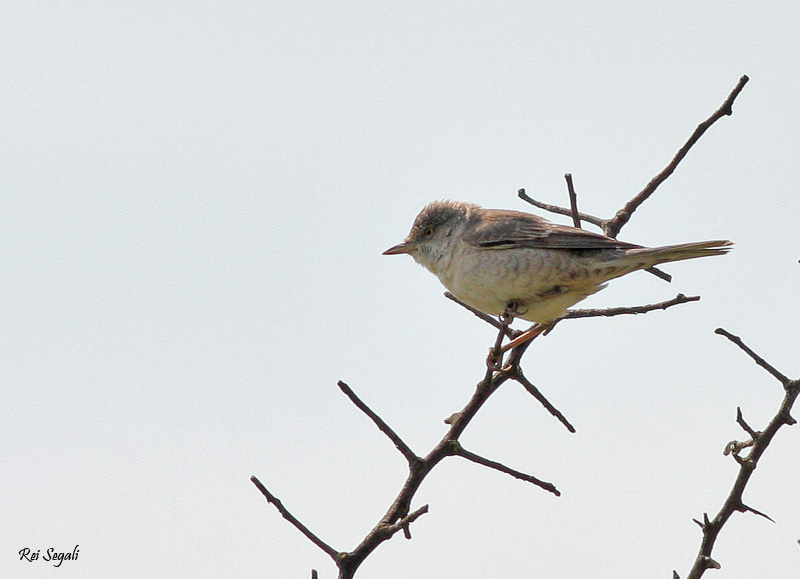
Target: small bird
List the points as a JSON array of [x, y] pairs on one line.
[[509, 262]]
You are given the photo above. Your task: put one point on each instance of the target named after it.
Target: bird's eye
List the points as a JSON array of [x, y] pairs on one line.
[[428, 231]]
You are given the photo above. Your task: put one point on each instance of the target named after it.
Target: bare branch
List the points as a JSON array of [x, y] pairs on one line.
[[592, 313], [485, 317], [560, 210], [405, 521], [385, 428], [758, 359], [461, 451], [334, 554], [747, 465], [573, 201], [613, 227], [740, 421], [516, 373], [398, 516]]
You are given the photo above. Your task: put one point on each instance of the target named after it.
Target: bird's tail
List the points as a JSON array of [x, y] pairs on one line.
[[646, 257], [655, 255]]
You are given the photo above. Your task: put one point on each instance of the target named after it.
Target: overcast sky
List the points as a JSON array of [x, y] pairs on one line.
[[195, 198]]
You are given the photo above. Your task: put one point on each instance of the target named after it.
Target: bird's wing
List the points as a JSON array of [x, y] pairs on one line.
[[506, 229]]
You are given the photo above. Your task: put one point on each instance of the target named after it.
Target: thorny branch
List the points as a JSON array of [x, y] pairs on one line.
[[612, 227], [498, 371], [609, 312], [758, 443], [398, 517]]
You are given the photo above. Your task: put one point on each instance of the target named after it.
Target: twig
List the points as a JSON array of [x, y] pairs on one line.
[[740, 420], [516, 373], [585, 313], [405, 521], [511, 333], [573, 201], [334, 554], [613, 226], [559, 210], [379, 422], [609, 312], [461, 451], [756, 358]]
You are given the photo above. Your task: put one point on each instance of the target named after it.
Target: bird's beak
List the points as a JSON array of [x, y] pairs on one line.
[[404, 247]]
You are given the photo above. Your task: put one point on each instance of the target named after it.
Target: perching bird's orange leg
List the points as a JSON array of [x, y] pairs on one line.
[[527, 335]]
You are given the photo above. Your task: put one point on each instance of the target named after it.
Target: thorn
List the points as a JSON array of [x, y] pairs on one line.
[[744, 508], [699, 524], [709, 563], [452, 418]]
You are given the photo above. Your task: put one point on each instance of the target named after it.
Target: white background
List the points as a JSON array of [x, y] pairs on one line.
[[195, 197]]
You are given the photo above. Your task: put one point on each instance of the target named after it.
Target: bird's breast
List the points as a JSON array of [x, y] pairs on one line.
[[488, 279]]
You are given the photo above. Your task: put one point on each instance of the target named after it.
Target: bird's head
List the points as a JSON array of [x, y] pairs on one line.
[[435, 230]]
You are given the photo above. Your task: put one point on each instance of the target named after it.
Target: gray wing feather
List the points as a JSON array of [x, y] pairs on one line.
[[499, 229]]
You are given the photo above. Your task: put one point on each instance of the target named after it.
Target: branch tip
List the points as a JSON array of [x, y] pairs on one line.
[[464, 453], [573, 201], [515, 372], [613, 226], [398, 442], [740, 420], [756, 358], [609, 312], [272, 499]]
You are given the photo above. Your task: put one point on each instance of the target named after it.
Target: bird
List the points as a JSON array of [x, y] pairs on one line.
[[503, 262]]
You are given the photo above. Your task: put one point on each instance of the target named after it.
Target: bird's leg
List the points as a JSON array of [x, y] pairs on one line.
[[529, 334], [494, 361]]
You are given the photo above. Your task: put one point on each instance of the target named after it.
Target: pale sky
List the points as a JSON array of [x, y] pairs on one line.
[[195, 201]]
